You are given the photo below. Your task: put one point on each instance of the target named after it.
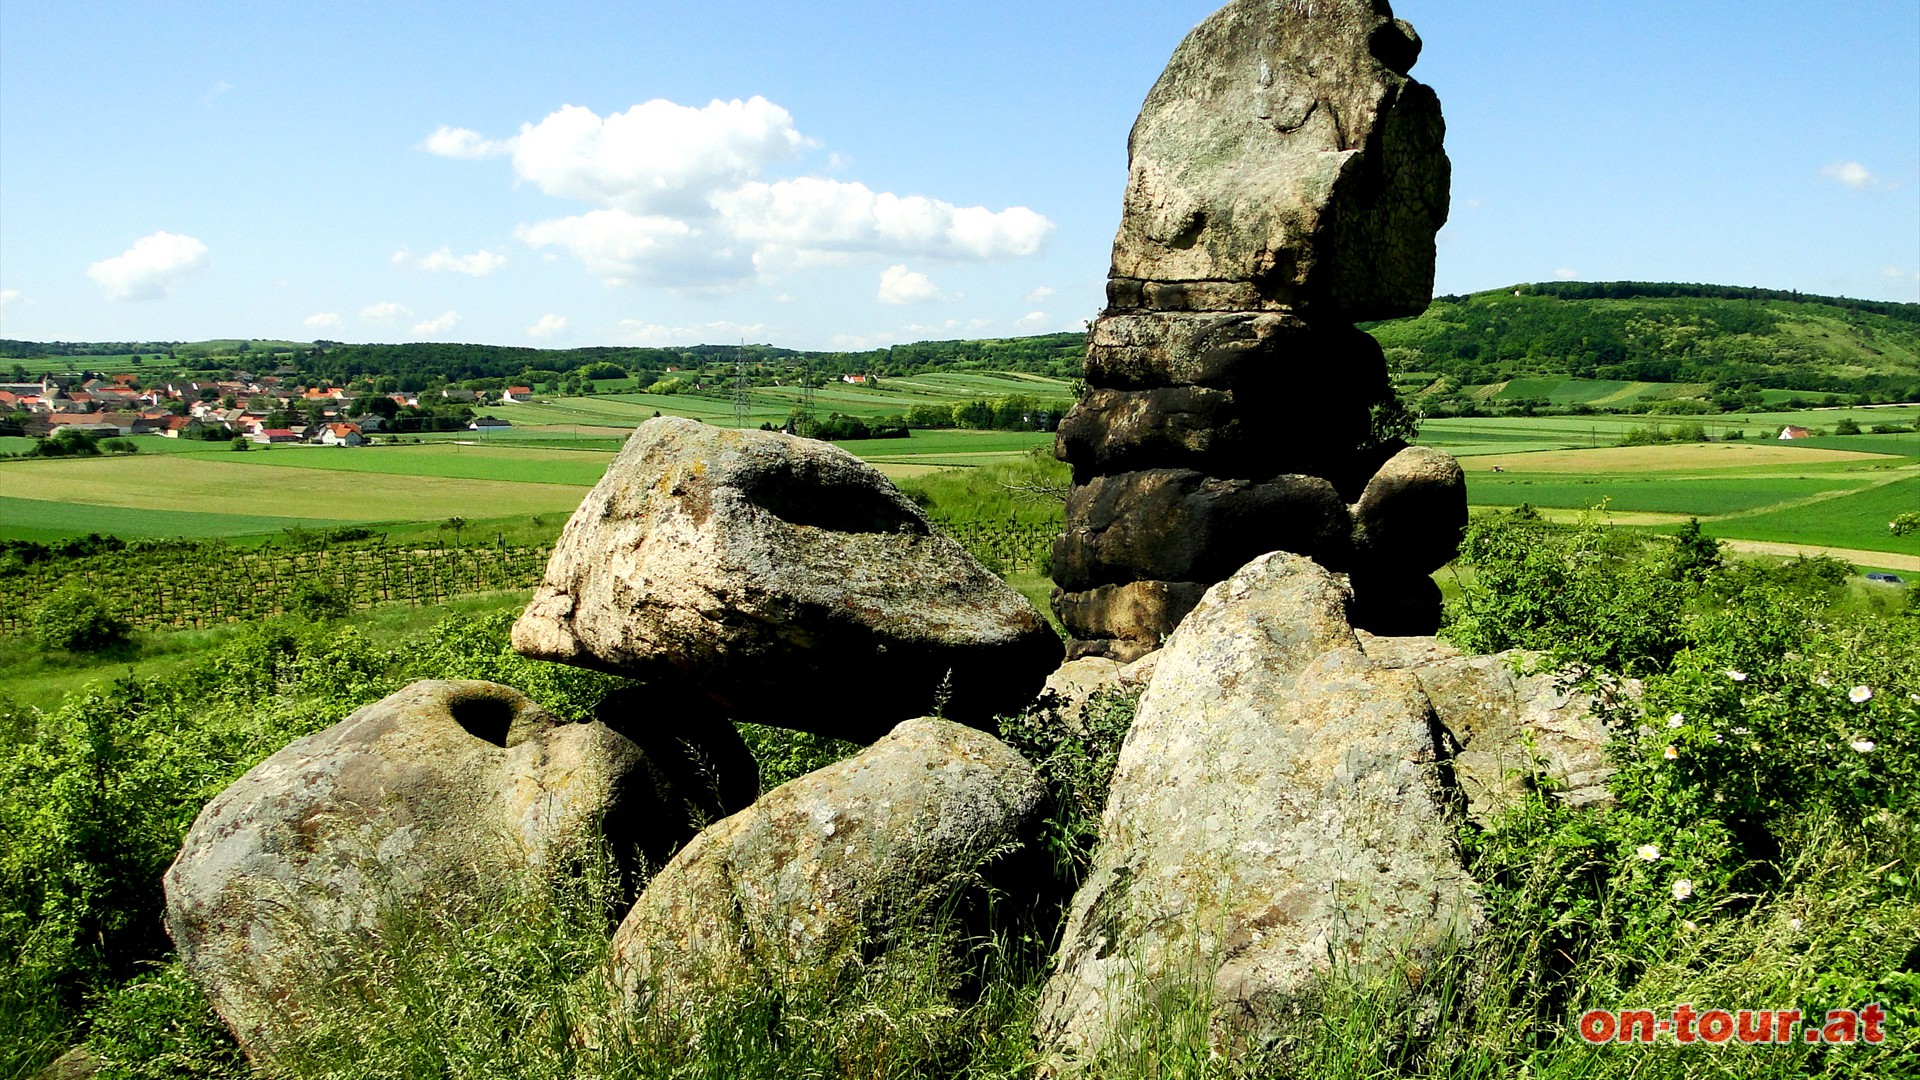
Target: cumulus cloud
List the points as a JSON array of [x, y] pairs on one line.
[[442, 323], [385, 312], [657, 155], [863, 342], [324, 320], [1033, 322], [479, 264], [151, 267], [680, 200], [548, 326], [1040, 295], [898, 285], [641, 332], [10, 297], [1852, 174], [1566, 274], [453, 142]]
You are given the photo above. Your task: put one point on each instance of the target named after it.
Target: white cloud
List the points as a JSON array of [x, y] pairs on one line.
[[1040, 295], [1852, 174], [619, 247], [548, 326], [386, 312], [898, 285], [479, 264], [323, 320], [657, 155], [785, 298], [151, 267], [1566, 274], [640, 332], [1474, 204], [1033, 322], [680, 202], [863, 342], [10, 297], [438, 325], [456, 142]]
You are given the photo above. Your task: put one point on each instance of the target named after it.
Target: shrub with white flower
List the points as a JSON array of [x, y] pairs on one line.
[[1683, 889], [1648, 852], [1860, 695]]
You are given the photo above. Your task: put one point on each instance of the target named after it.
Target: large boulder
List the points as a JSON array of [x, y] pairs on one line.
[[1513, 728], [1277, 810], [1124, 622], [788, 581], [1182, 525], [1413, 512], [434, 796], [1284, 160], [820, 868]]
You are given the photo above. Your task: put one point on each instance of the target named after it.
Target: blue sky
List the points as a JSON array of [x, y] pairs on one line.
[[872, 173]]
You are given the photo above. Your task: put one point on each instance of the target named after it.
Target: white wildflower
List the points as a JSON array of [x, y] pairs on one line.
[[1742, 731], [1863, 746], [1648, 852], [1859, 694], [1689, 925], [1683, 889], [1672, 753], [1736, 676], [1676, 719], [1796, 924]]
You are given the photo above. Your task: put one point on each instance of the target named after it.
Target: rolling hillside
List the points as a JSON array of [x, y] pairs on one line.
[[1633, 346]]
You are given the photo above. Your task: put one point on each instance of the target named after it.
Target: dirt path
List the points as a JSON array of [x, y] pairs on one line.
[[1885, 559]]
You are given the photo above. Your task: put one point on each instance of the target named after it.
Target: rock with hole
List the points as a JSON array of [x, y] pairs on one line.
[[787, 580], [436, 799]]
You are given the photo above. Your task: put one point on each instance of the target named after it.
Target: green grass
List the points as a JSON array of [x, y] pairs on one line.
[[1649, 493], [35, 678], [43, 520], [1851, 521], [580, 468], [165, 494]]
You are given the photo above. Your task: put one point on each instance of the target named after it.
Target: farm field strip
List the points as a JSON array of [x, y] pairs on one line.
[[45, 520], [1705, 498], [450, 460], [225, 487], [1670, 457]]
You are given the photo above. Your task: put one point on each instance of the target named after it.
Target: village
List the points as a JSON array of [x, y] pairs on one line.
[[266, 410]]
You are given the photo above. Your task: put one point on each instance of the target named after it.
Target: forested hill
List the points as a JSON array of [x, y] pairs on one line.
[[415, 365], [1605, 345], [1733, 342]]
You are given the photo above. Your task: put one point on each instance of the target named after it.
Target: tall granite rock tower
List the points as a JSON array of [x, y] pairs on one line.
[[1285, 180]]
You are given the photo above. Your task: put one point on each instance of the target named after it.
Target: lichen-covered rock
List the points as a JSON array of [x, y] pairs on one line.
[[1224, 433], [1182, 525], [1511, 730], [1413, 511], [787, 580], [1124, 622], [1285, 160], [431, 796], [795, 886], [1277, 809]]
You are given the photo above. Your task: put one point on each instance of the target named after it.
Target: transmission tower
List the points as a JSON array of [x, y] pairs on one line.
[[806, 389], [742, 396]]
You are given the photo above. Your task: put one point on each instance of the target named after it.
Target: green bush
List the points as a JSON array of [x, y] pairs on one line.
[[79, 621], [317, 600]]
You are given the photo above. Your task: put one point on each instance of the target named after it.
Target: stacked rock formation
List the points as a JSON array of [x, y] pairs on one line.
[[1286, 179]]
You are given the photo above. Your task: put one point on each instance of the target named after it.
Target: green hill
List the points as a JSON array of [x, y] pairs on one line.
[[1632, 346]]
